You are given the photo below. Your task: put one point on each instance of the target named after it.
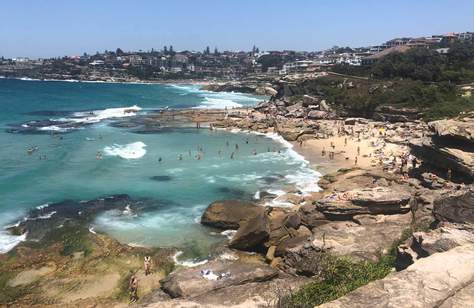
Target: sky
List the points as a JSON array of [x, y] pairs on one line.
[[52, 28]]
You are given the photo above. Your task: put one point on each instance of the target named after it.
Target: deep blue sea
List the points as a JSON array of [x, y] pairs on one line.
[[34, 112]]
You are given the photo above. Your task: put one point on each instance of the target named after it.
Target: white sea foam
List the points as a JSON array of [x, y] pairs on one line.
[[8, 241], [42, 206], [100, 115], [257, 195], [54, 128], [229, 233], [187, 263], [217, 103], [133, 150]]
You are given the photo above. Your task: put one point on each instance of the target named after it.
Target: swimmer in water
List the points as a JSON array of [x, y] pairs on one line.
[[160, 160], [180, 157]]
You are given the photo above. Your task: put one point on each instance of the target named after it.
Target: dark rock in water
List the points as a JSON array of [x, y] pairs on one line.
[[42, 220], [456, 207], [161, 178], [272, 178], [228, 214], [252, 233], [190, 282], [44, 127], [234, 192]]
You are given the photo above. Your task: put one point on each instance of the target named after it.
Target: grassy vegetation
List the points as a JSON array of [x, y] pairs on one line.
[[340, 276], [355, 97]]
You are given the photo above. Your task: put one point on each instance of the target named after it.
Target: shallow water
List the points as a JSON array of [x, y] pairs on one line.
[[130, 163]]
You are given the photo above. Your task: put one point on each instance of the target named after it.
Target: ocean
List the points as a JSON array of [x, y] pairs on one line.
[[53, 132]]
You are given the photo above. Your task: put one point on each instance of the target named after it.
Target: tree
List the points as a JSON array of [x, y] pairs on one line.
[[119, 52]]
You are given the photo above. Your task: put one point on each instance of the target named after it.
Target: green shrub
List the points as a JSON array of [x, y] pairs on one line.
[[339, 277]]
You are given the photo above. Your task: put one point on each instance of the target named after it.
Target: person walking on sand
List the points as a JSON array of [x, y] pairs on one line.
[[147, 265], [323, 152], [345, 141], [133, 287], [355, 161], [358, 150]]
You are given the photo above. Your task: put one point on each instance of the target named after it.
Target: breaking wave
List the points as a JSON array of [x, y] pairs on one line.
[[133, 150]]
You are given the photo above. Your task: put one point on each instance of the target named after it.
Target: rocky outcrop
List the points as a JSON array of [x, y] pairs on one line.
[[424, 244], [365, 238], [459, 129], [228, 214], [450, 146], [215, 275], [378, 200], [430, 282], [456, 207], [251, 233], [395, 114]]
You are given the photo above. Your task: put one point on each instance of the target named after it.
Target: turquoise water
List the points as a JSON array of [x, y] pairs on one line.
[[71, 170]]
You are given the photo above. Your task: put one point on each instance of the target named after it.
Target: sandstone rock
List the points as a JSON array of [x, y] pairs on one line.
[[228, 214], [378, 200], [189, 282], [289, 243], [445, 157], [430, 282], [424, 244], [459, 129], [311, 217], [365, 241], [317, 114], [251, 233], [456, 207], [270, 253]]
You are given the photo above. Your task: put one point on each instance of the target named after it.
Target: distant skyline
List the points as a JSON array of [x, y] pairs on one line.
[[52, 28]]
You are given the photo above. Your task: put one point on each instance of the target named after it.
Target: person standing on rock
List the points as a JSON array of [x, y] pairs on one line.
[[413, 208], [147, 265], [449, 175], [133, 287]]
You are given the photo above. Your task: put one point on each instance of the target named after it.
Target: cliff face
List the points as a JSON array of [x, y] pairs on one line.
[[449, 146]]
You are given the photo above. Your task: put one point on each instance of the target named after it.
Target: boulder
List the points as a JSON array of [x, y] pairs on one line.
[[311, 217], [251, 233], [228, 214], [430, 282], [190, 282], [456, 207]]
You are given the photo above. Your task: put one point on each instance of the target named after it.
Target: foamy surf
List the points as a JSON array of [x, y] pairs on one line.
[[187, 263], [134, 150], [8, 241], [100, 115]]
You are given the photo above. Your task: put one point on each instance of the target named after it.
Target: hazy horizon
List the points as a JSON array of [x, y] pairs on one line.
[[54, 28]]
